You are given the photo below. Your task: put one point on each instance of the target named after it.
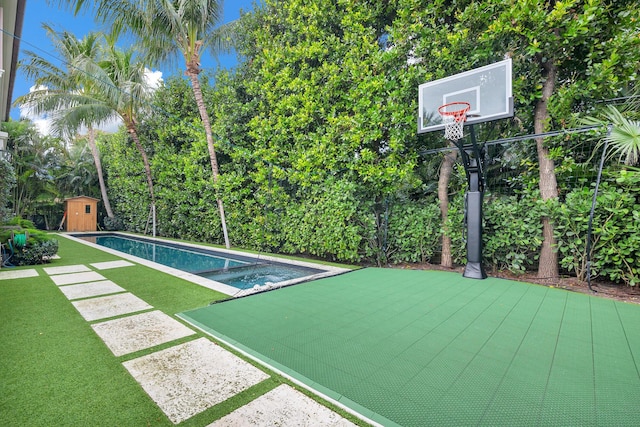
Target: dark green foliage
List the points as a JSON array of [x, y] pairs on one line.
[[39, 248], [512, 232], [414, 231], [20, 222], [316, 140], [616, 230], [325, 223], [113, 224], [35, 252], [8, 181]]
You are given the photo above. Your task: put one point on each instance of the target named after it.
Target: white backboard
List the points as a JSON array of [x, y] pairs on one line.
[[488, 89]]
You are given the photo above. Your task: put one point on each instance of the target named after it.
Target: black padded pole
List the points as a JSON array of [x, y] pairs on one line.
[[475, 193]]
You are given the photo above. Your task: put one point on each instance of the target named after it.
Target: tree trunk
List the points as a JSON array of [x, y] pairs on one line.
[[145, 159], [96, 159], [192, 72], [446, 169], [548, 267]]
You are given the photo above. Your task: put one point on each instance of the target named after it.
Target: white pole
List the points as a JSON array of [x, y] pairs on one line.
[[153, 208]]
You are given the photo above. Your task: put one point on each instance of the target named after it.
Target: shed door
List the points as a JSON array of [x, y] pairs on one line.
[[82, 215]]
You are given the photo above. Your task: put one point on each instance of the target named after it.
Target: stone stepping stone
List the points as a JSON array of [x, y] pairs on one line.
[[111, 264], [17, 274], [109, 306], [140, 331], [67, 279], [91, 289], [64, 269], [186, 379], [282, 406]]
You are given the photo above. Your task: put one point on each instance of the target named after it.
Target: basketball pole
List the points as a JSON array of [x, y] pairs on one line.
[[472, 161]]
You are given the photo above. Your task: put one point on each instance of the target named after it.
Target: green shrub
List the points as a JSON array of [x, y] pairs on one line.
[[8, 181], [325, 224], [615, 250], [414, 231], [512, 233], [23, 223], [39, 247], [35, 252], [113, 224]]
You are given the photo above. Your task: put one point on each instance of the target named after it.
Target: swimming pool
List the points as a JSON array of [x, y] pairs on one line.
[[239, 271]]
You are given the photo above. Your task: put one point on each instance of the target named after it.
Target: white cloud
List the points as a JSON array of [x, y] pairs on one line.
[[39, 120], [154, 78]]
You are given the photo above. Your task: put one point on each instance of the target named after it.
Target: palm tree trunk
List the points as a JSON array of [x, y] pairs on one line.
[[548, 266], [192, 73], [96, 159], [446, 169], [145, 159]]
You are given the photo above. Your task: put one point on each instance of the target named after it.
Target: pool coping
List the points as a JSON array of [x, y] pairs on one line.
[[208, 283]]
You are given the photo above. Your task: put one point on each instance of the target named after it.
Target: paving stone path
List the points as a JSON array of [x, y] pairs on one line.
[[184, 379]]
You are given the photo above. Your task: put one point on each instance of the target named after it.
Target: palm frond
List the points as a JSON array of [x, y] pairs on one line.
[[624, 137]]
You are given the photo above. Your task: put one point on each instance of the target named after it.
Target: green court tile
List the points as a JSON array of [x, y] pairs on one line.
[[394, 376], [529, 369], [454, 355], [402, 411], [576, 409], [513, 403], [336, 379], [617, 405], [460, 352], [439, 376], [455, 411], [577, 354]]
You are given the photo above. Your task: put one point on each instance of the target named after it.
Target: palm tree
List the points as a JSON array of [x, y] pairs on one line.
[[125, 90], [112, 86], [166, 29], [79, 174], [55, 84]]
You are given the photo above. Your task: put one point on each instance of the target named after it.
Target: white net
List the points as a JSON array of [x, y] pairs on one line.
[[452, 128]]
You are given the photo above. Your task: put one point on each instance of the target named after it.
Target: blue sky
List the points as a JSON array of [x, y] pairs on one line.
[[35, 39]]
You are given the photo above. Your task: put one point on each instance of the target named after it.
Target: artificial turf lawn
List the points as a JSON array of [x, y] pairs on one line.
[[55, 370], [433, 348]]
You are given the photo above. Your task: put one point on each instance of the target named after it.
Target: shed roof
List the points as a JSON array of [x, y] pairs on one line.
[[82, 197]]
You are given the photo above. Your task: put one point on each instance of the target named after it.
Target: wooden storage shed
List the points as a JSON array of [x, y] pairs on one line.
[[81, 213]]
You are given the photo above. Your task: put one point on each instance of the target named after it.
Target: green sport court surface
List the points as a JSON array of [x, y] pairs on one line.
[[420, 348]]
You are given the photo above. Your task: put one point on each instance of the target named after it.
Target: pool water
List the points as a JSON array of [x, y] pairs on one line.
[[258, 274], [181, 259], [242, 272]]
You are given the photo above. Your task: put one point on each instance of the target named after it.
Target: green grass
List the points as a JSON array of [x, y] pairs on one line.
[[56, 371]]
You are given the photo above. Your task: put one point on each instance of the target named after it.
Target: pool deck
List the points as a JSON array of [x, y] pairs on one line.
[[208, 283]]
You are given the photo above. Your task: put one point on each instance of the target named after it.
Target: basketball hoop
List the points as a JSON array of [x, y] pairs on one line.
[[454, 114]]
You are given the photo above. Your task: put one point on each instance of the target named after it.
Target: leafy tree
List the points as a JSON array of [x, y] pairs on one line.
[[624, 136], [317, 104], [8, 181], [79, 175], [35, 160], [566, 54]]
